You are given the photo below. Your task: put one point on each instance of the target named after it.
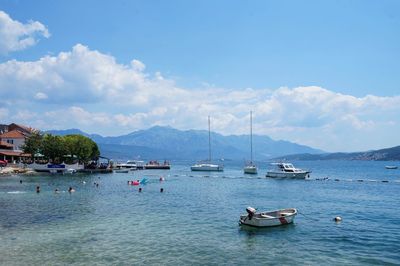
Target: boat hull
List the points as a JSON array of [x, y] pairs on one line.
[[158, 167], [207, 168], [297, 175], [285, 216], [252, 170]]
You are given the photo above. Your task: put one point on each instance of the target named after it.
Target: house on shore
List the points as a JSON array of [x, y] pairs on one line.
[[12, 139]]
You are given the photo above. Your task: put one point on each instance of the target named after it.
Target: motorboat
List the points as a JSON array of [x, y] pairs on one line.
[[251, 168], [120, 171], [287, 170], [208, 166], [268, 218], [391, 167], [128, 164]]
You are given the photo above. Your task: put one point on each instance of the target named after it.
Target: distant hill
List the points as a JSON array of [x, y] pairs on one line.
[[388, 154], [169, 143]]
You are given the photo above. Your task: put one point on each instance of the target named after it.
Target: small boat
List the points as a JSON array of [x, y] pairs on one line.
[[128, 164], [208, 166], [287, 170], [268, 218], [124, 171], [391, 167]]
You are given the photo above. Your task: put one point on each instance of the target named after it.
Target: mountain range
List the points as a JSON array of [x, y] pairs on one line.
[[172, 144], [387, 154]]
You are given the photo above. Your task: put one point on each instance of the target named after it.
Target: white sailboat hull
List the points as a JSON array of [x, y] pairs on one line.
[[207, 167], [252, 169]]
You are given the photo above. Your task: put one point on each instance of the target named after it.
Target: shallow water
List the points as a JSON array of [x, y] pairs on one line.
[[195, 220]]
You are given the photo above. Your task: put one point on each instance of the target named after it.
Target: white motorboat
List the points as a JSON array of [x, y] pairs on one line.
[[251, 168], [121, 171], [287, 170], [207, 166], [268, 218], [128, 164]]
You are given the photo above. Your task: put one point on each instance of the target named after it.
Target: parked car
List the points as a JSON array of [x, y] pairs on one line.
[[3, 163]]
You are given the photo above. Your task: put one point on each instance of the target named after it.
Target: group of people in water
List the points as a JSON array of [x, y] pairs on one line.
[[133, 183]]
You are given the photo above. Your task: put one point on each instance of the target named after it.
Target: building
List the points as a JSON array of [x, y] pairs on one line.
[[12, 140]]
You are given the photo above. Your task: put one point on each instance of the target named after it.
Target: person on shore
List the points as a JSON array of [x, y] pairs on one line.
[[70, 190], [37, 189]]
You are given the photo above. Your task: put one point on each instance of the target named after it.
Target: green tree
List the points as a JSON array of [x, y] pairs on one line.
[[33, 144], [53, 147], [82, 147]]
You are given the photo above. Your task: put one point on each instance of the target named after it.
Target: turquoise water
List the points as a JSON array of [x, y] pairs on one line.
[[195, 220]]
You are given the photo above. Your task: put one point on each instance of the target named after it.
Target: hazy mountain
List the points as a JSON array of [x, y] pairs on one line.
[[388, 154], [169, 143]]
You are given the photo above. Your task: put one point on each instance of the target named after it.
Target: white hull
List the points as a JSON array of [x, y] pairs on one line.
[[207, 167], [54, 168], [250, 169], [268, 219], [299, 175]]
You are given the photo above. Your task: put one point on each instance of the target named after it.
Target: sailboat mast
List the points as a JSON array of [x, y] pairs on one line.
[[209, 140], [251, 137]]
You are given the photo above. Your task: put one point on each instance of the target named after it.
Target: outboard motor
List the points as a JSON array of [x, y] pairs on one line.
[[250, 212]]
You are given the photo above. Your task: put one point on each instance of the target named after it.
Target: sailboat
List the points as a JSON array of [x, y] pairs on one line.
[[207, 166], [251, 168]]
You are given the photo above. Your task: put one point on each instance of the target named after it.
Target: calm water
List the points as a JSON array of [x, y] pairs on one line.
[[195, 220]]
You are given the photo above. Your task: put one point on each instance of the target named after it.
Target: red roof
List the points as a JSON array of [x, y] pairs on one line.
[[6, 144], [14, 153], [14, 134]]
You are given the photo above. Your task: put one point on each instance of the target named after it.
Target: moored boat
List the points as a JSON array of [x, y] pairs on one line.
[[268, 218], [251, 168], [120, 171], [391, 167], [208, 166], [287, 170]]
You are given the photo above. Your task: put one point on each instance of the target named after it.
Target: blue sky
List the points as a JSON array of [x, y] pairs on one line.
[[320, 73]]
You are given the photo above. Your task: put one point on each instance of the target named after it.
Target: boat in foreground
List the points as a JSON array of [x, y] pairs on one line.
[[287, 170], [391, 167], [268, 218], [207, 167], [250, 169]]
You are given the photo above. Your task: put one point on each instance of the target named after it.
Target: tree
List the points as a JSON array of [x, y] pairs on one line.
[[82, 147], [53, 147], [33, 144]]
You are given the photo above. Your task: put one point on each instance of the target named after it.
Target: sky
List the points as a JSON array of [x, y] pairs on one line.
[[319, 73]]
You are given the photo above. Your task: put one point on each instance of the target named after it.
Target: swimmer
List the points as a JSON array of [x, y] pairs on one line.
[[161, 190], [140, 189], [20, 181], [38, 189], [56, 190], [70, 190]]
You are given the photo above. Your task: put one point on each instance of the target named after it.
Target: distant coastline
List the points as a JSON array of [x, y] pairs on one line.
[[388, 154]]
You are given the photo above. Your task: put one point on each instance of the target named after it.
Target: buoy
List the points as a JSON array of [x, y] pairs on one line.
[[337, 219]]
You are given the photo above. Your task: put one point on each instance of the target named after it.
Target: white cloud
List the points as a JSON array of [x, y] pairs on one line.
[[88, 89], [16, 36]]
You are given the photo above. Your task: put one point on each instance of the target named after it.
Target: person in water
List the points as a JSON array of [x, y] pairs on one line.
[[56, 190], [37, 189], [70, 190]]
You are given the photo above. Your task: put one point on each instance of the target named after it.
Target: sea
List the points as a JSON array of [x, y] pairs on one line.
[[195, 220]]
